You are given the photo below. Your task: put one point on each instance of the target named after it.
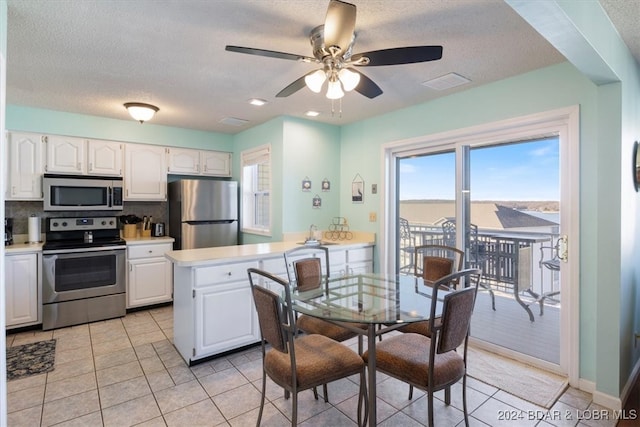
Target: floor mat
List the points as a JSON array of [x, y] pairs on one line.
[[534, 385], [30, 359]]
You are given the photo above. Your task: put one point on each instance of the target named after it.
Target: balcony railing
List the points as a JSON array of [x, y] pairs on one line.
[[510, 260]]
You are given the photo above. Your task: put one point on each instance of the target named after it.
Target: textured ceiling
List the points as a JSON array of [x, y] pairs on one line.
[[91, 56]]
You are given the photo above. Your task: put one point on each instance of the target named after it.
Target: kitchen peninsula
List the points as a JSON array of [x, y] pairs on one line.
[[213, 310]]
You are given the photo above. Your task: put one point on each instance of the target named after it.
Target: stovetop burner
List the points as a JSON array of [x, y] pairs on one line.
[[85, 232]]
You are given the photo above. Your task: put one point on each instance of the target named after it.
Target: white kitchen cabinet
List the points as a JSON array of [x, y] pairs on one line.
[[104, 157], [360, 260], [145, 174], [65, 154], [215, 163], [213, 309], [150, 274], [198, 162], [21, 289], [25, 166]]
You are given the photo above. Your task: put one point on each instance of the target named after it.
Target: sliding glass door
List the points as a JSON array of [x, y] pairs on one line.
[[500, 204]]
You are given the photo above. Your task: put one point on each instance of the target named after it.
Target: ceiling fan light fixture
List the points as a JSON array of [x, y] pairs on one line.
[[334, 89], [349, 79], [315, 80], [140, 111]]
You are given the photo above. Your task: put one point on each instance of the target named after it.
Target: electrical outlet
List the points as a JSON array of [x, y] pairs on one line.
[[373, 217]]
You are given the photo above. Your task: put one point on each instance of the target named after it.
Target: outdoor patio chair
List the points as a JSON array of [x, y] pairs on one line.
[[407, 245], [524, 283]]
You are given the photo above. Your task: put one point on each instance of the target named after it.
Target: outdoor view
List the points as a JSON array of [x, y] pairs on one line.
[[513, 233]]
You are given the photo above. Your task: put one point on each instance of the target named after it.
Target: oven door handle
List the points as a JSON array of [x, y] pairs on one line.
[[82, 250]]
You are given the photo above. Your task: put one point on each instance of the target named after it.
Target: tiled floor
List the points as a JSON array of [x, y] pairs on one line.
[[125, 372]]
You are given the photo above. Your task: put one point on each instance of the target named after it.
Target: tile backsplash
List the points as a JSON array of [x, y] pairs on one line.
[[21, 211]]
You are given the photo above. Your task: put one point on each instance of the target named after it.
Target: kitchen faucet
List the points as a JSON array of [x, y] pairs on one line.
[[312, 236]]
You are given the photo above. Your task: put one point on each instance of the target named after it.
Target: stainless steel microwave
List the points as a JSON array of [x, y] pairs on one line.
[[80, 192]]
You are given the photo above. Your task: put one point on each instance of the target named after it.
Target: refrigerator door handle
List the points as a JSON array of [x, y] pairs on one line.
[[219, 221]]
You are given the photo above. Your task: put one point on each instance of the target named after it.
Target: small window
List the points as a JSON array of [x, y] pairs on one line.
[[256, 190]]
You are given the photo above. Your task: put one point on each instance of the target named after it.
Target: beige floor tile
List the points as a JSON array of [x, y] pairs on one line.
[[181, 374], [221, 382], [25, 398], [104, 347], [252, 369], [117, 393], [145, 350], [271, 417], [162, 347], [171, 358], [119, 373], [576, 398], [70, 386], [237, 401], [93, 419], [26, 417], [70, 369], [109, 335], [73, 342], [31, 337], [152, 364], [26, 382], [147, 337], [180, 396], [159, 380], [115, 358], [70, 407], [72, 355], [78, 330], [154, 422], [203, 413], [131, 412]]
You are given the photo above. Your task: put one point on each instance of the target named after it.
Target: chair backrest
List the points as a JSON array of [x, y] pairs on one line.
[[456, 319], [404, 233], [452, 326], [304, 266], [275, 318], [436, 261]]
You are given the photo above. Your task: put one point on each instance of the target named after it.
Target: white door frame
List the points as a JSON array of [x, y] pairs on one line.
[[562, 122]]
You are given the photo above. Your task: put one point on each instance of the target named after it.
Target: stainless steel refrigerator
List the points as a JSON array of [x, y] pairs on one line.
[[203, 213]]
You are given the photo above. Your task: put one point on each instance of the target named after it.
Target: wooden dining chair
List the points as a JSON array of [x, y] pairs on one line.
[[434, 363], [297, 363]]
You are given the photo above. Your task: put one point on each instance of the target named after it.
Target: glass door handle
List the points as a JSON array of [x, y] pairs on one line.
[[563, 248]]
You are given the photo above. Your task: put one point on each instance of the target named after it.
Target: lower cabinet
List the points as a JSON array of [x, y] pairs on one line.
[[213, 309], [22, 289], [150, 275]]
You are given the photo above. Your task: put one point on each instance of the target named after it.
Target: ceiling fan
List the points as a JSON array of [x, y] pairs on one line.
[[332, 48]]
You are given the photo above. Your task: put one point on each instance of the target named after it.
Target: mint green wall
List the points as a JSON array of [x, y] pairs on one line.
[[310, 150], [19, 118]]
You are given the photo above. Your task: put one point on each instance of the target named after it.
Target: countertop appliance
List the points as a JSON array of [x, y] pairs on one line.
[[203, 213], [82, 192], [8, 231], [83, 271]]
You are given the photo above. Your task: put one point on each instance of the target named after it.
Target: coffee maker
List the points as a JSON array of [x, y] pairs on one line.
[[8, 231]]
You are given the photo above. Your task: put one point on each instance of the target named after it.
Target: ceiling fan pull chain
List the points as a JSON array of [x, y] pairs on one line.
[[340, 108], [332, 109]]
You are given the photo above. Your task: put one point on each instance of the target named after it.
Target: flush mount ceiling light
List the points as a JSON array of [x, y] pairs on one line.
[[257, 102], [140, 111]]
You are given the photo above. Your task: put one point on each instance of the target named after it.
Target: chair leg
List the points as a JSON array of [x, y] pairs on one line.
[[315, 393], [410, 392], [326, 393], [464, 400], [430, 409], [362, 398], [264, 391], [294, 412], [447, 396]]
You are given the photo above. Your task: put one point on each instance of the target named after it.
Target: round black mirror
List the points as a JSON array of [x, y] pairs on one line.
[[636, 166]]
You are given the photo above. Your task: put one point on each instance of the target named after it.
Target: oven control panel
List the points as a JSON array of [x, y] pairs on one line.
[[71, 224]]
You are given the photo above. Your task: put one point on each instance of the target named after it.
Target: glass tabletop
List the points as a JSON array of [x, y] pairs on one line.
[[369, 298]]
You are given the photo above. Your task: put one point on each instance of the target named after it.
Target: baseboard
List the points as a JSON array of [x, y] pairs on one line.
[[599, 398], [626, 390]]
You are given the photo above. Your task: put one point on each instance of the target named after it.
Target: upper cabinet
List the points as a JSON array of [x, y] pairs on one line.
[[145, 176], [83, 157], [105, 157], [188, 161], [26, 166]]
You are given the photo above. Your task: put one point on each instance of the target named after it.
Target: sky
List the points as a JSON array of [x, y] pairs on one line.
[[509, 172]]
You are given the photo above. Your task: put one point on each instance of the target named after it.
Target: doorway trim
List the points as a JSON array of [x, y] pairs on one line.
[[565, 123]]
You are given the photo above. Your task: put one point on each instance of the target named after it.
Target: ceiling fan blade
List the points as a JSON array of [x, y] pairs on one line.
[[270, 53], [293, 87], [366, 86], [339, 25], [400, 55]]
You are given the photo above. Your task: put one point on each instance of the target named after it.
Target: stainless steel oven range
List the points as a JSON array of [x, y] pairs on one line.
[[83, 271]]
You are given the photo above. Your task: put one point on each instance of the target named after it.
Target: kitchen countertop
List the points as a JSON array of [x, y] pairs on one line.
[[17, 248], [142, 240], [204, 256]]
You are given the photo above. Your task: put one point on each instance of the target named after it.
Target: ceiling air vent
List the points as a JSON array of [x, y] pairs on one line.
[[446, 82], [232, 121]]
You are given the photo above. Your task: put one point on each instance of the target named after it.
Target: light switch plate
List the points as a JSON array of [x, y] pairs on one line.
[[374, 188]]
